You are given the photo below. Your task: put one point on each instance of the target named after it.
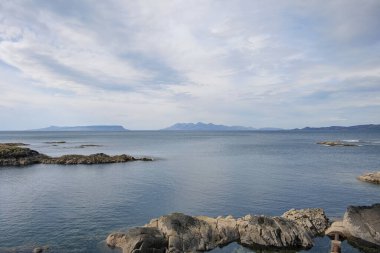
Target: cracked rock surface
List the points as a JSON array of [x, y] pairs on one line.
[[177, 232]]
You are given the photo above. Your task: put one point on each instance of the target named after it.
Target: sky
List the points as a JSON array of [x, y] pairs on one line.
[[150, 64]]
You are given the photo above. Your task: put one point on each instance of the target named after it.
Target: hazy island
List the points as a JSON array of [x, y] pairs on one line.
[[100, 128], [200, 126]]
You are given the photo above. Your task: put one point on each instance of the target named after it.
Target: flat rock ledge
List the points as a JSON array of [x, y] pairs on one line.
[[177, 232], [12, 154], [373, 177], [360, 226]]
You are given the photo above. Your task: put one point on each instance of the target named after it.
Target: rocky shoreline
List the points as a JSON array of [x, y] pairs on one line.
[[16, 154], [295, 229], [177, 232]]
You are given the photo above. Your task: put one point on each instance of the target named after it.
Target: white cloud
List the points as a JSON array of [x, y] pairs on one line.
[[147, 64]]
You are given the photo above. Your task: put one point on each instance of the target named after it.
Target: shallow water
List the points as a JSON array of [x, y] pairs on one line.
[[74, 208]]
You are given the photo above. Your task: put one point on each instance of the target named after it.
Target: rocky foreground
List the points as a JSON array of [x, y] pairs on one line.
[[373, 177], [16, 154], [178, 232]]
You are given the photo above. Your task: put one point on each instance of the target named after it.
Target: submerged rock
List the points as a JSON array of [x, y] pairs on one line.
[[337, 143], [373, 177], [41, 249], [88, 159], [14, 155], [177, 232], [26, 249]]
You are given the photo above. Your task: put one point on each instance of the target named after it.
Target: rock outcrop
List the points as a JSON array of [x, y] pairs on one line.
[[12, 154], [360, 226], [373, 177], [177, 232], [312, 219]]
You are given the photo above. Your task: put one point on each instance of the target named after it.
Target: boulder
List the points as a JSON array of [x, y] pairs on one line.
[[272, 232], [362, 224], [312, 219], [139, 240], [373, 177]]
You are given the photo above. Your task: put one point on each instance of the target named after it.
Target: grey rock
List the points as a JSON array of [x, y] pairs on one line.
[[312, 219], [178, 232], [139, 240], [362, 224], [277, 232]]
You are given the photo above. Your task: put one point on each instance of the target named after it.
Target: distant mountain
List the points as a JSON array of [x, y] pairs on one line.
[[370, 127], [200, 126], [105, 128]]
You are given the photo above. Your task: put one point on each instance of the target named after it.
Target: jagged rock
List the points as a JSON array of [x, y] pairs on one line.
[[11, 154], [362, 224], [373, 178], [314, 219], [177, 232], [278, 232]]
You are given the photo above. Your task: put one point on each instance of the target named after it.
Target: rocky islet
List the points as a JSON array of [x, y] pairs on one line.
[[372, 177], [15, 154]]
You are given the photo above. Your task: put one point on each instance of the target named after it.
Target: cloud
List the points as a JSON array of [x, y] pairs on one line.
[[148, 64]]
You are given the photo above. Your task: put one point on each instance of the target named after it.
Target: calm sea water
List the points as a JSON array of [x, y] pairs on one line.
[[74, 208]]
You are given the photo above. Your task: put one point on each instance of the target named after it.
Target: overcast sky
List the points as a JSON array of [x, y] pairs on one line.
[[149, 64]]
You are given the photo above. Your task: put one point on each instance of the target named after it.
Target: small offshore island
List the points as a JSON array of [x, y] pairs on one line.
[[16, 154]]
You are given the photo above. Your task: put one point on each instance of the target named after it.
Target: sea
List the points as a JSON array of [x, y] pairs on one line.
[[72, 208]]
